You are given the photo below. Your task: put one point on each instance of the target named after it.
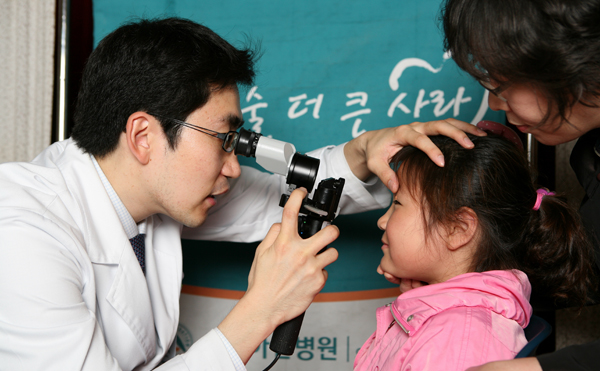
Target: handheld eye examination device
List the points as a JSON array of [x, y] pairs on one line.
[[300, 171]]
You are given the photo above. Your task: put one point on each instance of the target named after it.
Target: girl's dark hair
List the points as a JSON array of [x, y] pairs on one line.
[[493, 179], [168, 67], [552, 44]]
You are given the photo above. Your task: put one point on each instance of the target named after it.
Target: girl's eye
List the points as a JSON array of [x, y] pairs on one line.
[[396, 202]]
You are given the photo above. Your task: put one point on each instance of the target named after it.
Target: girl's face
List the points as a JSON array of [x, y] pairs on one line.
[[406, 252], [525, 108]]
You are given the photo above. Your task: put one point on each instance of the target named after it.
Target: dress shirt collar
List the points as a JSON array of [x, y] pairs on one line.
[[131, 228]]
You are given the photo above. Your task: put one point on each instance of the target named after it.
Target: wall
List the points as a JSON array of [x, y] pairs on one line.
[[26, 77]]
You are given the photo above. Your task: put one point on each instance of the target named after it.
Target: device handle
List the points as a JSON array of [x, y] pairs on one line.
[[285, 336]]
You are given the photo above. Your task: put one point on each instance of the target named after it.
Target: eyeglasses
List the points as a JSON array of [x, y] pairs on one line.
[[229, 139], [492, 89]]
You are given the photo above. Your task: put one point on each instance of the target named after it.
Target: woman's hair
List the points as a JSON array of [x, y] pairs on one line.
[[493, 179], [552, 44]]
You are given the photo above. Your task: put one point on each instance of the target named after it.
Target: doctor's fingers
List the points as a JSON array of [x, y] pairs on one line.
[[327, 257], [269, 239], [266, 243], [292, 246], [321, 240], [288, 236], [289, 219]]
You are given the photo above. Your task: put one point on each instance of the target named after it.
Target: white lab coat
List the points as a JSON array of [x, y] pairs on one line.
[[72, 294]]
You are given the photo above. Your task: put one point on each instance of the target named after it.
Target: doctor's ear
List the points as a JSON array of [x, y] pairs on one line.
[[463, 229], [140, 134]]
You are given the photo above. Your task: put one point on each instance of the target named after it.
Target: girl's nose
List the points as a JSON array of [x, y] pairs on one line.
[[382, 222]]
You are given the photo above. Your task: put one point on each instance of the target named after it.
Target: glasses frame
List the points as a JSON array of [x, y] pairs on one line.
[[494, 90], [229, 139]]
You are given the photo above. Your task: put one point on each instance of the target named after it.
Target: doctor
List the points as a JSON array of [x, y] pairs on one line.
[[90, 258]]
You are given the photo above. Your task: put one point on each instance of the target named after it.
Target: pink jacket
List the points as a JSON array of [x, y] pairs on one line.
[[466, 321]]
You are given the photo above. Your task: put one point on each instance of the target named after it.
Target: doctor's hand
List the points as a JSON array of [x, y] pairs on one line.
[[285, 277], [287, 272], [372, 151]]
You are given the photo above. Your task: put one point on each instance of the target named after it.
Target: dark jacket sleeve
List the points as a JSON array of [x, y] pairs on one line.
[[585, 162], [585, 357]]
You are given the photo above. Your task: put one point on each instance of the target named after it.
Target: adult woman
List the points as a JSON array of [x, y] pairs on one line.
[[540, 59]]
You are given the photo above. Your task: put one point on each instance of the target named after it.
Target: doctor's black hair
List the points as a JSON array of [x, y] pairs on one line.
[[168, 67], [494, 180], [551, 45]]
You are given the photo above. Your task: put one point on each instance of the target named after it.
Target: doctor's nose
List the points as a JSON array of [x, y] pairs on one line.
[[231, 167]]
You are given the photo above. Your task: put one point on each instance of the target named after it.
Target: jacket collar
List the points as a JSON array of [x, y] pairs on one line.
[[503, 292]]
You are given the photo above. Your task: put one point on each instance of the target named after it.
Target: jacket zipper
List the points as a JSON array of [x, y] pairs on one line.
[[396, 319]]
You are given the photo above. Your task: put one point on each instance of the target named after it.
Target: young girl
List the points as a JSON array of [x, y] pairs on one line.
[[476, 233]]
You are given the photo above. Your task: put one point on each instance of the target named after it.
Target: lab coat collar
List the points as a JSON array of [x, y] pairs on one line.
[[106, 239], [107, 244]]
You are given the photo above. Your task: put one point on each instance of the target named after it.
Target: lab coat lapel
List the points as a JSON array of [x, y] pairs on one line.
[[128, 293], [119, 278], [163, 275], [129, 297]]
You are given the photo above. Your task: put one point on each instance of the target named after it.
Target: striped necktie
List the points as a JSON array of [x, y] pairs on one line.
[[139, 247]]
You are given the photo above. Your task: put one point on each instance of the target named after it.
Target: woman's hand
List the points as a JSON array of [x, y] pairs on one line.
[[371, 152]]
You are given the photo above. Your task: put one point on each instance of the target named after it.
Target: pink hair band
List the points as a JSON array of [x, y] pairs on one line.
[[540, 194]]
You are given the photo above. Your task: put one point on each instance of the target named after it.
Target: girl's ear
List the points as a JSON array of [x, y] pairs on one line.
[[463, 230]]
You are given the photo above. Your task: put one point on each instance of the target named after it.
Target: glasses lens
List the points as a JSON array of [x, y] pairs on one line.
[[487, 85], [230, 141], [491, 88]]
